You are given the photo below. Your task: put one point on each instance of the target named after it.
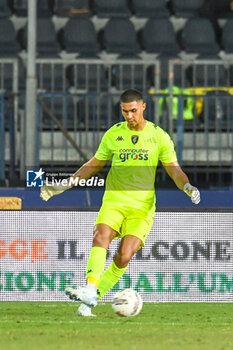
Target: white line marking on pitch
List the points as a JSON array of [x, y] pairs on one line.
[[109, 322]]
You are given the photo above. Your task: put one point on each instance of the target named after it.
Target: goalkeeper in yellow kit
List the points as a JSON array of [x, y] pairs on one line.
[[135, 146]]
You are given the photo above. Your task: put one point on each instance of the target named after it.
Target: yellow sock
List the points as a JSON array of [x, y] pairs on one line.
[[109, 278], [93, 280], [95, 265]]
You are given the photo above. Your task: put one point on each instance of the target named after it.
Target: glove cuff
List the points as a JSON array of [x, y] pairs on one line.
[[186, 186]]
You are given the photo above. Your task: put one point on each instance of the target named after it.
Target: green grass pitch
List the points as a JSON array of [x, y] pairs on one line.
[[165, 326]]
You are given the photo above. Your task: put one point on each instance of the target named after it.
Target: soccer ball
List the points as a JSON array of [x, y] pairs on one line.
[[127, 302]]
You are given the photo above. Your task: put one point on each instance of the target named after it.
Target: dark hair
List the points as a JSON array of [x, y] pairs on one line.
[[131, 95]]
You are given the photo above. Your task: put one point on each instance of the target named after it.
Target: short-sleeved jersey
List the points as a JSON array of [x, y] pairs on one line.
[[135, 156]]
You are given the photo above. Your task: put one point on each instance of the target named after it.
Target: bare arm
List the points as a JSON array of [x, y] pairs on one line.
[[85, 172], [89, 168], [176, 174], [181, 180]]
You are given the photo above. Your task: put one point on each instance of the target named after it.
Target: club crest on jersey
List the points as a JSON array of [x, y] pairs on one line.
[[134, 139]]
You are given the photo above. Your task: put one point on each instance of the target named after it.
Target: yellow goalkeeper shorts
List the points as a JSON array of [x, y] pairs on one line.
[[126, 221]]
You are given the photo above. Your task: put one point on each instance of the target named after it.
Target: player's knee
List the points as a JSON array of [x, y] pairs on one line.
[[123, 258], [103, 235], [101, 240]]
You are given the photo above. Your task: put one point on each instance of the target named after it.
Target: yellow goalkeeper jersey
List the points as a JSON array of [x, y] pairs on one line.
[[135, 156]]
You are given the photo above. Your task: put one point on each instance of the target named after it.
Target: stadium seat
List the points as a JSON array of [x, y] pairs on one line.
[[198, 36], [231, 75], [217, 105], [113, 8], [227, 36], [187, 8], [120, 37], [130, 76], [202, 75], [51, 78], [6, 76], [179, 75], [4, 9], [83, 43], [71, 8], [21, 8], [47, 44], [96, 113], [62, 107], [89, 78], [150, 8], [8, 43], [43, 8], [159, 36], [21, 76]]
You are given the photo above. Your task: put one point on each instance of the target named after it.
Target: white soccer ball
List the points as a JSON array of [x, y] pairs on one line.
[[127, 302]]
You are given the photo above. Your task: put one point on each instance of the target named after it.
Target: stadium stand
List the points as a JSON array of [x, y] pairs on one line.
[[43, 8], [130, 76], [215, 9], [120, 37], [158, 35], [198, 36], [227, 36], [19, 7], [51, 78], [110, 9], [47, 44], [4, 9], [150, 8], [231, 75], [88, 79], [71, 8], [84, 43], [187, 8], [101, 113], [62, 107], [6, 77], [202, 75], [9, 46], [179, 78], [215, 110]]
